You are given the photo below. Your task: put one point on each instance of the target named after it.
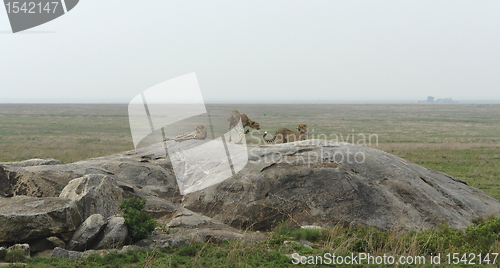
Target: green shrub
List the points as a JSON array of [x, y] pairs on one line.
[[15, 255], [139, 222], [481, 235], [190, 250], [311, 235]]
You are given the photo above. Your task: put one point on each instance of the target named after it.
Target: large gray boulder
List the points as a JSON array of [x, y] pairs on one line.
[[114, 234], [312, 182], [95, 194], [86, 233], [153, 177], [25, 218]]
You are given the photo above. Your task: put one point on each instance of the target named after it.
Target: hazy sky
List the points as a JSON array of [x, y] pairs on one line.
[[258, 51]]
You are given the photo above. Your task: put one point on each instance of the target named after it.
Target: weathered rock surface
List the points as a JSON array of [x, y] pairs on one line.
[[87, 232], [342, 184], [43, 180], [304, 183], [193, 220], [95, 194], [68, 254], [114, 234], [159, 208], [25, 218], [152, 178], [14, 181]]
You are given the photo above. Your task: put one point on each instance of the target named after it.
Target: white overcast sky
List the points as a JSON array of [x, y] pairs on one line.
[[258, 51]]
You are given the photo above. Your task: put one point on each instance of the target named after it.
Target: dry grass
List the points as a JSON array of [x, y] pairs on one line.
[[65, 132]]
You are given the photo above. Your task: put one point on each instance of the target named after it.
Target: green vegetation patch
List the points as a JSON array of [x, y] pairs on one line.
[[139, 222]]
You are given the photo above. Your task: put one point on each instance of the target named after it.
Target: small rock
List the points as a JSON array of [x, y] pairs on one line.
[[87, 232], [178, 242], [311, 227], [158, 207], [192, 221], [114, 234], [304, 243], [128, 248], [66, 254]]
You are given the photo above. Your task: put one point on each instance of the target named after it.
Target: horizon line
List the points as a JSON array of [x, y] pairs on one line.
[[286, 102]]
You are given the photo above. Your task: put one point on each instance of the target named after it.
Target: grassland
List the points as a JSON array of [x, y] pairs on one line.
[[65, 132], [462, 140]]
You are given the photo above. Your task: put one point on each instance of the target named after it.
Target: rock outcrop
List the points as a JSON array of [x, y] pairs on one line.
[[304, 183], [344, 184], [25, 218], [94, 194]]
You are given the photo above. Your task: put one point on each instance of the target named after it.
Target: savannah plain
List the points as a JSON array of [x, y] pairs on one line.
[[462, 140]]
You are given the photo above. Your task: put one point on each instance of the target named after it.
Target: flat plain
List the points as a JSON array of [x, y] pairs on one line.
[[462, 140]]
